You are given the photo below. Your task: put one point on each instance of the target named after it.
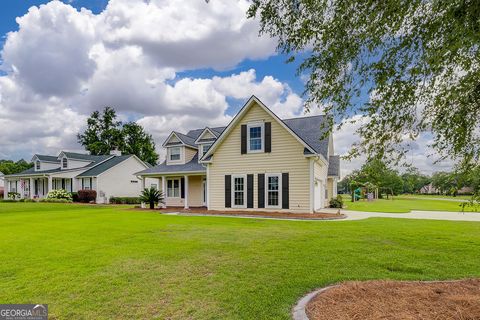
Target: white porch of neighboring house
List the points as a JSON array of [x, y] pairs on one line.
[[36, 187], [179, 189]]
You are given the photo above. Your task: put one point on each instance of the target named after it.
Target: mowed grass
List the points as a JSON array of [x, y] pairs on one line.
[[94, 262], [402, 204]]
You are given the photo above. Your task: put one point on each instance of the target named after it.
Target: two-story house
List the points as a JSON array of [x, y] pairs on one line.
[[110, 175], [258, 162]]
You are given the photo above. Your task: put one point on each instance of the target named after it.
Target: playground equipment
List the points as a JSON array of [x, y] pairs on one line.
[[365, 190]]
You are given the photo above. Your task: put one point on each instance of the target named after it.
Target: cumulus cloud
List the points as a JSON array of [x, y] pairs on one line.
[[64, 63]]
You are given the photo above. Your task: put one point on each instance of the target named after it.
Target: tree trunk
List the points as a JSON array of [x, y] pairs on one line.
[[152, 205]]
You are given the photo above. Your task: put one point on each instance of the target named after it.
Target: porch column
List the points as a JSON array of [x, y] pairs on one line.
[[143, 183], [186, 192], [164, 190], [31, 188], [6, 190], [50, 184]]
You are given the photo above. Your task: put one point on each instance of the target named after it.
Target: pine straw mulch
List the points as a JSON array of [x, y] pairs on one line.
[[404, 300], [262, 214]]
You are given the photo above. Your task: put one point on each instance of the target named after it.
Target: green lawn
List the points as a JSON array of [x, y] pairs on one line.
[[106, 262], [402, 204], [436, 196]]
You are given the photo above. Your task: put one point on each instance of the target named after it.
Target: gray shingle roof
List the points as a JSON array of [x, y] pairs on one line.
[[42, 157], [83, 156], [334, 166], [95, 160], [104, 166], [191, 166], [197, 132], [189, 141], [309, 130]]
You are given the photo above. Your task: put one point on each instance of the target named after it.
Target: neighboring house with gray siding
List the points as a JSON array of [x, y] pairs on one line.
[[109, 175], [257, 162]]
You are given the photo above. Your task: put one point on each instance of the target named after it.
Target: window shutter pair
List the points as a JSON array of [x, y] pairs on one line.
[[228, 191], [267, 135], [285, 190]]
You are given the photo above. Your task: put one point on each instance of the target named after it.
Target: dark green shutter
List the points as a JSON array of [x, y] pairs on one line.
[[182, 188], [249, 190], [228, 191], [243, 148], [285, 191], [268, 137], [261, 190]]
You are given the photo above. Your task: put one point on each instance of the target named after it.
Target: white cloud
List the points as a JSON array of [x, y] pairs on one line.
[[63, 63]]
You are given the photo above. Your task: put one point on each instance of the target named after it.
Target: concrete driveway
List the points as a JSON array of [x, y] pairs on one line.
[[429, 215]]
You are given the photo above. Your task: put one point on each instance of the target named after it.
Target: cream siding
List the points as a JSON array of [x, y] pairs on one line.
[[330, 189], [206, 135], [320, 171], [189, 154], [117, 181], [286, 156]]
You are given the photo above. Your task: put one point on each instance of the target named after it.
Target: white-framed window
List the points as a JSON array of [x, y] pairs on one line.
[[87, 184], [239, 191], [273, 187], [37, 165], [64, 163], [255, 137], [175, 153], [173, 188], [204, 148]]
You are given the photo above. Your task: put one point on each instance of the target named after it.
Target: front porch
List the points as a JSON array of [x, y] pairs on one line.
[[187, 190], [36, 187]]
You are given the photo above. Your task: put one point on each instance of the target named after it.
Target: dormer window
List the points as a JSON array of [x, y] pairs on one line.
[[255, 137], [64, 163], [175, 154], [205, 148], [37, 165]]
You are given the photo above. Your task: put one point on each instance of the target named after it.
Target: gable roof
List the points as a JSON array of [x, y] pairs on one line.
[[191, 166], [46, 158], [84, 156], [239, 115], [334, 166], [104, 166], [184, 139], [310, 130], [200, 138]]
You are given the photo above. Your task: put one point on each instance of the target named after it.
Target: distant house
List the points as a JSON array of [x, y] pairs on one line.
[[110, 175], [429, 189], [258, 161]]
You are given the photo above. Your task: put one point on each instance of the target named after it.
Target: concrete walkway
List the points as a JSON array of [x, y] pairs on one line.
[[439, 199], [360, 215]]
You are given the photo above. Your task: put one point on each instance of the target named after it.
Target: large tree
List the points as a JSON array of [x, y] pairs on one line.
[[416, 61], [105, 133], [11, 167], [136, 141]]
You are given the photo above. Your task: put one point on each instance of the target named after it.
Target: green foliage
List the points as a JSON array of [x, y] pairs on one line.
[[136, 141], [413, 180], [10, 167], [104, 134], [336, 202], [125, 200], [418, 61], [59, 194], [152, 196]]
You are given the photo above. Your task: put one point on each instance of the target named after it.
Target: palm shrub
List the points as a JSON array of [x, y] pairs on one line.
[[152, 196]]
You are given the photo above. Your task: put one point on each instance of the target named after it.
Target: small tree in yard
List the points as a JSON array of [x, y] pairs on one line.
[[152, 196]]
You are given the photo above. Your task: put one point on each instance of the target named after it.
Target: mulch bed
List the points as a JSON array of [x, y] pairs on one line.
[[262, 214], [404, 300]]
